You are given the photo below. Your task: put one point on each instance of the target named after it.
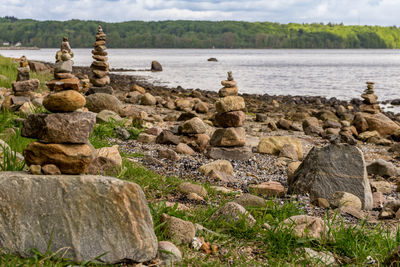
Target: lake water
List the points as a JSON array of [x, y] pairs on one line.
[[330, 73]]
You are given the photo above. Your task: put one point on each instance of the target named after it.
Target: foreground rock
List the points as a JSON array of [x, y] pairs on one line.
[[330, 169], [92, 216]]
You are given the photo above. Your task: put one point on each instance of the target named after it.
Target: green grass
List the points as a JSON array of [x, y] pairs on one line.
[[239, 243], [274, 247], [8, 69], [103, 131]]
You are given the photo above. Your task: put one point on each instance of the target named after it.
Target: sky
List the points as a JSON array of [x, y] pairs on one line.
[[350, 12]]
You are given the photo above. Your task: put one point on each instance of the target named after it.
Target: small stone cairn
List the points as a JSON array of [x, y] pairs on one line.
[[23, 90], [23, 70], [370, 100], [24, 86], [100, 66], [62, 145], [229, 140]]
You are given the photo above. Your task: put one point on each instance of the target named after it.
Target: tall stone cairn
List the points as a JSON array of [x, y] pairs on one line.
[[100, 66], [63, 135], [229, 118], [370, 102]]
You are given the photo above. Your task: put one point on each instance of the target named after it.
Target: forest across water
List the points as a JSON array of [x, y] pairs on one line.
[[198, 34]]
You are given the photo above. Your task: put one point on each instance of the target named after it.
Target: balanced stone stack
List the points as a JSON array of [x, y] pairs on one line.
[[62, 135], [23, 70], [100, 66], [24, 86], [370, 100], [228, 141]]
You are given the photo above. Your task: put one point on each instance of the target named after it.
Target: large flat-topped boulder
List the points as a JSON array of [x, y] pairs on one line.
[[330, 169], [375, 122], [84, 216]]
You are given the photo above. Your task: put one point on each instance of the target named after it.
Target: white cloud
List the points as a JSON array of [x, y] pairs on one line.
[[373, 12]]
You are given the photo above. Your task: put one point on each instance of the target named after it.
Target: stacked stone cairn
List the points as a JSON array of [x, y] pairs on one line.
[[100, 66], [228, 141], [370, 102], [62, 145], [23, 70], [23, 89]]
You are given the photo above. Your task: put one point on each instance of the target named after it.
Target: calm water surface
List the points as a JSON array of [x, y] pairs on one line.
[[329, 73]]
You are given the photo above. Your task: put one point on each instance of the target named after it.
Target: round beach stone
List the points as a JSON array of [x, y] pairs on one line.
[[168, 253], [193, 126], [64, 101], [228, 137], [100, 101]]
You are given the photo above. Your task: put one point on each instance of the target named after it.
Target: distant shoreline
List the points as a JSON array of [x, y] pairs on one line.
[[19, 48]]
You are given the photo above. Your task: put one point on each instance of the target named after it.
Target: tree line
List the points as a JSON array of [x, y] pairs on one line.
[[197, 34]]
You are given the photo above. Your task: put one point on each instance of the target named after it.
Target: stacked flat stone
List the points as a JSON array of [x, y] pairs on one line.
[[100, 66], [229, 140], [62, 135], [370, 102]]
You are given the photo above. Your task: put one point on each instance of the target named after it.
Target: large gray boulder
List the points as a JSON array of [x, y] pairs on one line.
[[72, 127], [83, 216], [330, 169]]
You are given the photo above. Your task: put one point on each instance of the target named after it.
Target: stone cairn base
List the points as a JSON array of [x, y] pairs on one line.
[[23, 90], [100, 66], [370, 100], [228, 141], [62, 145]]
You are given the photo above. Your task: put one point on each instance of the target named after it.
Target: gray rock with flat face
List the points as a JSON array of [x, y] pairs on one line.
[[23, 88], [230, 153], [63, 66], [73, 127], [333, 168], [99, 101], [88, 214], [193, 126]]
